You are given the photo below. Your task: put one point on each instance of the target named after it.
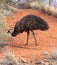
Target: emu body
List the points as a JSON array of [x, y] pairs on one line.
[[29, 23]]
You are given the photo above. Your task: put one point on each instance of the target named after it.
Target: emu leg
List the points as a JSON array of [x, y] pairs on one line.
[[27, 38], [34, 37]]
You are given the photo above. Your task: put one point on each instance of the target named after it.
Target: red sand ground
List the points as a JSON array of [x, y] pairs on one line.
[[47, 40]]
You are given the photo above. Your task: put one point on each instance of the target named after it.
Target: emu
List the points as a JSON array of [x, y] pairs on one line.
[[29, 23]]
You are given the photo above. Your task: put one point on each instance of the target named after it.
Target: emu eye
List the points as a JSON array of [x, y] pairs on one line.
[[9, 31]]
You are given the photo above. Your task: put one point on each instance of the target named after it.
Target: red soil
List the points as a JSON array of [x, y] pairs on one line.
[[47, 40]]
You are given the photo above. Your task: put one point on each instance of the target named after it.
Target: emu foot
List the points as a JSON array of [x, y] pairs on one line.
[[25, 44], [36, 44]]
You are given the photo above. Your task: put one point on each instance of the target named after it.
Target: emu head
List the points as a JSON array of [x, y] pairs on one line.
[[10, 31], [16, 30]]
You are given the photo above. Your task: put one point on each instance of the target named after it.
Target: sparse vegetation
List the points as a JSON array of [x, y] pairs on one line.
[[10, 58], [45, 8], [50, 7], [53, 55]]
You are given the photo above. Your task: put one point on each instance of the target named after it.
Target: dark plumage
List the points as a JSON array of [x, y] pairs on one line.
[[30, 23]]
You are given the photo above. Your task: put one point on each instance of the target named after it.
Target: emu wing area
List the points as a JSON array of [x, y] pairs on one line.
[[29, 23]]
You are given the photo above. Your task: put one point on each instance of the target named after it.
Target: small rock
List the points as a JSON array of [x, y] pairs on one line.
[[45, 53], [46, 63], [38, 63], [10, 64], [23, 60], [43, 63]]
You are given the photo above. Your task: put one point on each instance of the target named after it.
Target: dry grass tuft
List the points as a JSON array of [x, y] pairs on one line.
[[50, 10], [9, 59], [10, 56], [53, 55]]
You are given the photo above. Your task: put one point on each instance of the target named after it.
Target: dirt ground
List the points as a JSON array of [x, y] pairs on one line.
[[47, 40]]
